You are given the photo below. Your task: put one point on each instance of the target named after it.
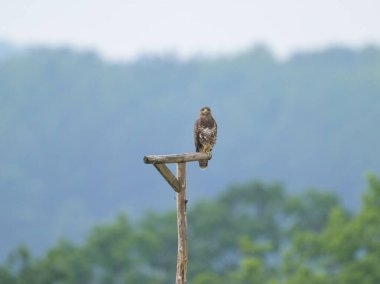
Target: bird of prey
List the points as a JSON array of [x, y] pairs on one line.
[[205, 130]]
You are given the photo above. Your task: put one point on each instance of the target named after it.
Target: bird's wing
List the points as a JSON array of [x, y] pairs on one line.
[[196, 135]]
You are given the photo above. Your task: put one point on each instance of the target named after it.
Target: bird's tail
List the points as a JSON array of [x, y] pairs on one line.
[[203, 164]]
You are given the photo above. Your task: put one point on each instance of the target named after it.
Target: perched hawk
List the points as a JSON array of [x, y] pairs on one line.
[[205, 129]]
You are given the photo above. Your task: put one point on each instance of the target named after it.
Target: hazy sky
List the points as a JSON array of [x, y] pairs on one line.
[[126, 28]]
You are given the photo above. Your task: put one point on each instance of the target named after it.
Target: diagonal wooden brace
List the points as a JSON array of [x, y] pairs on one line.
[[168, 176]]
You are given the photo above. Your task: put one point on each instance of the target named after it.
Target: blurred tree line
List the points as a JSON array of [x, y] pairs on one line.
[[73, 130], [250, 233]]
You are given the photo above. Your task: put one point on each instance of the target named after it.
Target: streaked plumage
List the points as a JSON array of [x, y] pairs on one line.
[[205, 131]]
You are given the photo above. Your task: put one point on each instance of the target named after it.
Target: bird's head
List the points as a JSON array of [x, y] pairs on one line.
[[205, 110]]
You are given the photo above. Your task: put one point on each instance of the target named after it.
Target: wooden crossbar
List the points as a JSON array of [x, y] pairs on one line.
[[176, 158]]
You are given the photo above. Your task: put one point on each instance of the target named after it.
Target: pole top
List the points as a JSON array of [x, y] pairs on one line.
[[176, 158]]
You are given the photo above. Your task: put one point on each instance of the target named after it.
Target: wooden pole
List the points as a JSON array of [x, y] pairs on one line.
[[176, 158], [182, 225], [178, 184]]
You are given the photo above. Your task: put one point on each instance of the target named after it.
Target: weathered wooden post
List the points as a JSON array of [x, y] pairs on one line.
[[179, 185], [181, 225]]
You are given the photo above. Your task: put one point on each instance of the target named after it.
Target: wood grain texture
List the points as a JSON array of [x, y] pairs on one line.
[[176, 158], [168, 176], [182, 225]]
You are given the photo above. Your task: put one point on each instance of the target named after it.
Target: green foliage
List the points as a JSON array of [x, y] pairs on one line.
[[207, 278], [251, 233], [345, 251], [310, 209], [251, 210], [64, 263], [252, 268], [17, 268], [242, 236], [110, 250]]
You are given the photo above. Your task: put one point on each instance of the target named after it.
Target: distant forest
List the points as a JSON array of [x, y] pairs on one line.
[[74, 129], [252, 233]]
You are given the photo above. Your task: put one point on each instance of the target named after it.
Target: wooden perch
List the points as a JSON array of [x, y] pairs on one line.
[[182, 226], [168, 176], [179, 185], [176, 158]]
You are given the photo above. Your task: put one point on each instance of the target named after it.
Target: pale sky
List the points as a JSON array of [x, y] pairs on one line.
[[123, 29]]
